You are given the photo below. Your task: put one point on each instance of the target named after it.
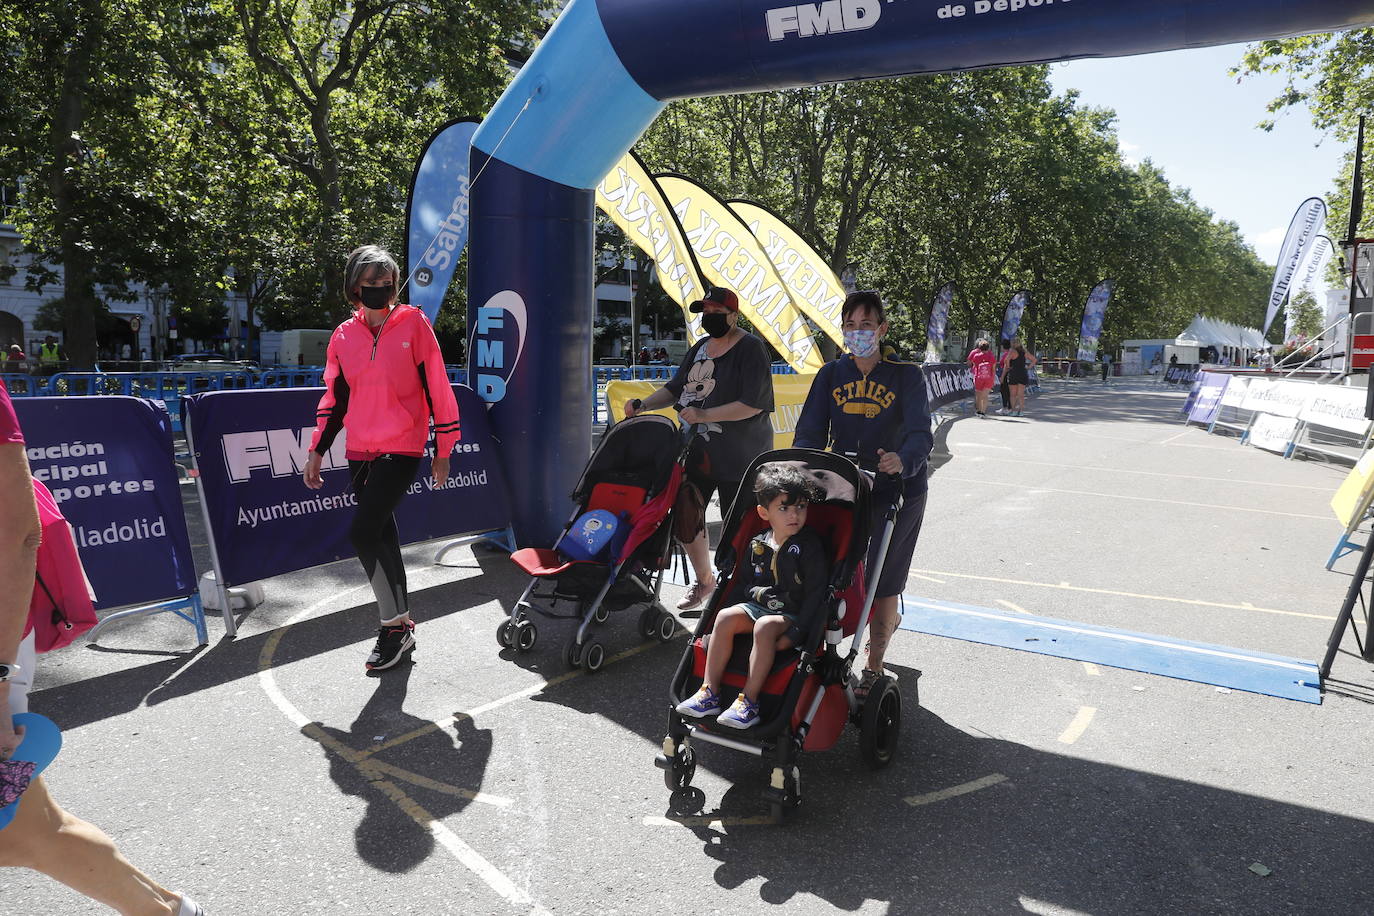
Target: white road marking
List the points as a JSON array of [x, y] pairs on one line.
[[465, 854], [713, 822], [926, 578], [1015, 607], [1197, 602], [1092, 669], [1145, 499], [1106, 470]]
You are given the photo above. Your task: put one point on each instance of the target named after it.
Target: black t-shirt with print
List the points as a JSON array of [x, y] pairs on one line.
[[742, 374]]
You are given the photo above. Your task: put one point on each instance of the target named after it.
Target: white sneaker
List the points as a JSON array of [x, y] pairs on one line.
[[189, 907]]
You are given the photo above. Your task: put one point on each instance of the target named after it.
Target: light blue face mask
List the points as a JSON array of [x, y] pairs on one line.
[[862, 344]]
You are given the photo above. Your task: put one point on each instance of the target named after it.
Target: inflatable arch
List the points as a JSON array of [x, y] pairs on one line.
[[608, 67]]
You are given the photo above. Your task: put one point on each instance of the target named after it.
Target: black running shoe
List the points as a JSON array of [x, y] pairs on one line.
[[393, 644]]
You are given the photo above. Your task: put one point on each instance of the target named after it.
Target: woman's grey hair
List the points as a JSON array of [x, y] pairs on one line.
[[360, 263], [982, 342]]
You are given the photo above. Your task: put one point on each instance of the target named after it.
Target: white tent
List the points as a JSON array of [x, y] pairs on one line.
[[1210, 332]]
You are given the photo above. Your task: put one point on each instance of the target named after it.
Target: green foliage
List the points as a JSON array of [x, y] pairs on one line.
[[987, 179], [244, 144], [1305, 315]]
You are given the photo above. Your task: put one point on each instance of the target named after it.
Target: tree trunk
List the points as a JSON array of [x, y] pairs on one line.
[[79, 300]]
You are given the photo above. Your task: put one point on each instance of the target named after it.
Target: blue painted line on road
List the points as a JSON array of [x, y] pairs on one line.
[[1223, 666]]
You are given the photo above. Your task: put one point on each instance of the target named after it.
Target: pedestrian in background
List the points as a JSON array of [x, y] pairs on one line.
[[984, 367], [1018, 362], [1106, 365]]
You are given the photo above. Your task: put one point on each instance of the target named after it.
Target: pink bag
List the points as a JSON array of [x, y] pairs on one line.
[[63, 606]]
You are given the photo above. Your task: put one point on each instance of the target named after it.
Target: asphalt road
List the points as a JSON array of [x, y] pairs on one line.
[[267, 775]]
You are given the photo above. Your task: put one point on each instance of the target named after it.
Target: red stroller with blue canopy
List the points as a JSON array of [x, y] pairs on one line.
[[809, 696], [615, 547]]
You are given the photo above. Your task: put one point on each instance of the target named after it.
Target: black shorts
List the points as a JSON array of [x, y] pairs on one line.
[[900, 549], [709, 485]]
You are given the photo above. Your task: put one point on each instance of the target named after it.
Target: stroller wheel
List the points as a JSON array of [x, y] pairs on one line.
[[667, 628], [526, 635], [681, 770], [572, 653], [505, 634], [648, 622], [594, 657], [881, 724], [602, 613]]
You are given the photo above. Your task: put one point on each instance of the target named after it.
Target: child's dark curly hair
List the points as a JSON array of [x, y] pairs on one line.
[[776, 480]]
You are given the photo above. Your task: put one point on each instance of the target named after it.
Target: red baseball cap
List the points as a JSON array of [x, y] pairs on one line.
[[720, 296]]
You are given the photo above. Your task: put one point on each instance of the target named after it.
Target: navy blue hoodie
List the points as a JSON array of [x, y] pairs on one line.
[[855, 415]]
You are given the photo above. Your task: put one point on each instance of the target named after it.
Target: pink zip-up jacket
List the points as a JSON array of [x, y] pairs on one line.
[[384, 389]]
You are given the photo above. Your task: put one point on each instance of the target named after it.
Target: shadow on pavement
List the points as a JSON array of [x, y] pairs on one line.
[[437, 765], [1067, 834]]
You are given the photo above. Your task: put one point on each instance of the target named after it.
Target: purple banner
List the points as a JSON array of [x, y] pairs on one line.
[[108, 462], [1210, 388], [250, 449]]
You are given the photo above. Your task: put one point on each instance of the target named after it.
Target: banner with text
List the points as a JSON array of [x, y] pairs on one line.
[[815, 289], [1093, 312], [250, 448], [945, 384], [437, 215], [1272, 433], [730, 256], [633, 201], [1015, 309], [1279, 398], [1306, 225], [1211, 389], [1337, 408], [108, 462], [939, 320]]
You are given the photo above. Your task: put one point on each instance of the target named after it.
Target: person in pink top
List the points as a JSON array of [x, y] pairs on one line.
[[384, 379], [983, 364], [43, 835]]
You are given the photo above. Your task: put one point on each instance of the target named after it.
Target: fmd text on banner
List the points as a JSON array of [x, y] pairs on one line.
[[251, 447]]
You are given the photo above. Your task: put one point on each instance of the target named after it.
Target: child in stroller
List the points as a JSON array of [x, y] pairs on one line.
[[807, 694], [779, 600]]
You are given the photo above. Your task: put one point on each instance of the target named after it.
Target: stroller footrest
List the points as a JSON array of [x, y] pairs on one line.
[[541, 562]]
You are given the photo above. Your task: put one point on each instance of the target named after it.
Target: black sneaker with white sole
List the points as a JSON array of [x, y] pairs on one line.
[[393, 644]]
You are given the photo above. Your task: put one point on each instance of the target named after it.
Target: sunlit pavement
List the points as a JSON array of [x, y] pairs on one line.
[[267, 775]]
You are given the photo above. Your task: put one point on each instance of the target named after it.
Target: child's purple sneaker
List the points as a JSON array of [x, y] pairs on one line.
[[706, 702], [743, 714]]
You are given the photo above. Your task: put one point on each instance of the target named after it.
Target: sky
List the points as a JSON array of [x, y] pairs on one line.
[[1180, 110]]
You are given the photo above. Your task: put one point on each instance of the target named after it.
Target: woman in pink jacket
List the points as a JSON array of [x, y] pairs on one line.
[[384, 378]]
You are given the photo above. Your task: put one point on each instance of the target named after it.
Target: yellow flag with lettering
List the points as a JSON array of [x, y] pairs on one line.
[[730, 256], [815, 289], [634, 203]]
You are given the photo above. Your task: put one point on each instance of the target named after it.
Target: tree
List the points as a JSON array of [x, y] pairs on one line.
[[1305, 315]]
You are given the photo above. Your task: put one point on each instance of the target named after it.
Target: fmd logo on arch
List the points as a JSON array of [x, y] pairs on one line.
[[498, 340], [827, 18]]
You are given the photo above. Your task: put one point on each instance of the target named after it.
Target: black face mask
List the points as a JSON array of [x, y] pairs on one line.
[[717, 324], [376, 297]]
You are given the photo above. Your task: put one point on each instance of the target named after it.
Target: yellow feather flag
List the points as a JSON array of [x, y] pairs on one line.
[[634, 203], [815, 289], [728, 255]]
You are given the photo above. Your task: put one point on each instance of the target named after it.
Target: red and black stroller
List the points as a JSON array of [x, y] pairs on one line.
[[809, 696], [615, 547]]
